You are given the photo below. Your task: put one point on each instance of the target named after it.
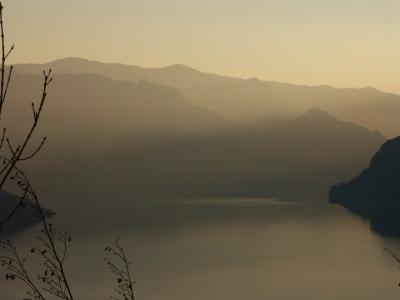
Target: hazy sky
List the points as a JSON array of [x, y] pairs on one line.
[[336, 42]]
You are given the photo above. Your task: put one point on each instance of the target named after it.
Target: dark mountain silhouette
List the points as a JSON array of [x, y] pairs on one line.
[[251, 100], [375, 193], [25, 216]]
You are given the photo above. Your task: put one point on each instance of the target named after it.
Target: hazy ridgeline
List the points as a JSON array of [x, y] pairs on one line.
[[252, 100], [102, 130]]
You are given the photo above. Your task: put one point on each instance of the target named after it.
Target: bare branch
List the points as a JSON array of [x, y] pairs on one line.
[[9, 51], [16, 266], [18, 154], [393, 255], [54, 278], [3, 136], [53, 244], [121, 270], [4, 56], [11, 148], [34, 152]]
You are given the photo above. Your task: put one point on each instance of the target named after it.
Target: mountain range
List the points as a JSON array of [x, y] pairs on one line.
[[249, 100], [176, 131], [99, 105]]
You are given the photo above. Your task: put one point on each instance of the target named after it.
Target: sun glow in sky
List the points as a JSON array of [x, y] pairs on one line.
[[338, 42]]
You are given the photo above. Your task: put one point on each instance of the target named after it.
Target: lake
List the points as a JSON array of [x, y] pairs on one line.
[[215, 249]]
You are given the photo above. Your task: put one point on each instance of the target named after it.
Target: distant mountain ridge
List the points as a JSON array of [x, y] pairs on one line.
[[246, 101], [96, 105]]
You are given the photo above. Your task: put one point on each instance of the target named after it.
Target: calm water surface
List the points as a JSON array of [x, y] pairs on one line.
[[236, 248]]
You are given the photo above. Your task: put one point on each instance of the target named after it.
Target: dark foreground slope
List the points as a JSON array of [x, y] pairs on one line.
[[25, 216], [375, 193]]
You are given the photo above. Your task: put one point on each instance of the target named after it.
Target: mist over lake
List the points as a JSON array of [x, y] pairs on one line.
[[222, 248], [200, 150]]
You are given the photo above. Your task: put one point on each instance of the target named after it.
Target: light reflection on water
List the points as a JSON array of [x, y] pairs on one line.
[[203, 249], [246, 202]]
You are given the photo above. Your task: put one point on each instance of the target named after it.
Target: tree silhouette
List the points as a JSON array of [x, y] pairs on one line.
[[119, 266], [53, 244]]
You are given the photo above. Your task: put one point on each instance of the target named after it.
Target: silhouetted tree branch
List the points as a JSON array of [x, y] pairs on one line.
[[17, 153], [52, 245], [5, 81], [15, 266], [54, 277], [53, 258], [393, 255], [118, 263]]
